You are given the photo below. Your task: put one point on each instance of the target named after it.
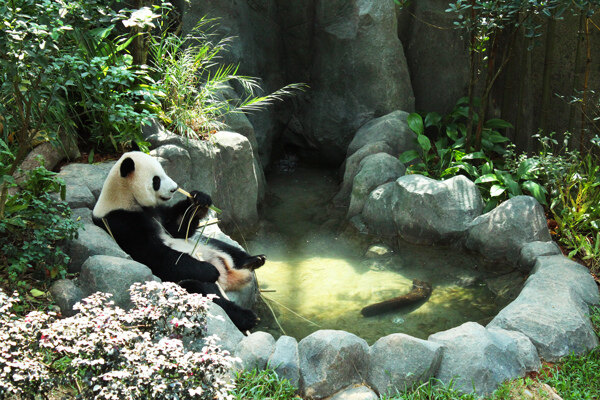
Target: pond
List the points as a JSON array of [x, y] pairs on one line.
[[318, 276]]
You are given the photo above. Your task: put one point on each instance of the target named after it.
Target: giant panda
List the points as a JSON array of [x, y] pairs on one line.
[[132, 209]]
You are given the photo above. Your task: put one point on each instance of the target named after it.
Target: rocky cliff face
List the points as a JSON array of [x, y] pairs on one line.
[[348, 51]]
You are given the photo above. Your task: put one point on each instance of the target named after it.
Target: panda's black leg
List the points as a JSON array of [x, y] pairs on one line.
[[242, 318], [241, 259]]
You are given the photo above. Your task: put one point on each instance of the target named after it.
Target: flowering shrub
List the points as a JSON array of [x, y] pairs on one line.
[[116, 354]]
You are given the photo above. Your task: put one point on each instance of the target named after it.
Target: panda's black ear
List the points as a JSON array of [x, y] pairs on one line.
[[127, 167]]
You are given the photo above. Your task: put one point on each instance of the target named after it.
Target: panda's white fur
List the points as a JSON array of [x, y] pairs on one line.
[[136, 191]]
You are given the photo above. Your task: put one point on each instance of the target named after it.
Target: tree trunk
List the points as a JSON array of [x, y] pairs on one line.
[[548, 57]]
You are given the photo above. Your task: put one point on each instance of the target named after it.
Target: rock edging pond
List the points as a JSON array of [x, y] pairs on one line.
[[548, 319]]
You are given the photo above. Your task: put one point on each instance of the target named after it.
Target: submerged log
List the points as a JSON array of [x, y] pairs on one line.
[[420, 290]]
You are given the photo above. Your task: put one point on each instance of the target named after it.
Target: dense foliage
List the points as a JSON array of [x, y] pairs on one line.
[[564, 180], [36, 221]]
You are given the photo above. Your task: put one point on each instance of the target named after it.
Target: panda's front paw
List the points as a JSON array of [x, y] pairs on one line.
[[200, 199]]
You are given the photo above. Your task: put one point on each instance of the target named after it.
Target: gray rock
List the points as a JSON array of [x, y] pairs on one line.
[[79, 196], [238, 122], [431, 212], [399, 361], [351, 167], [532, 250], [219, 324], [479, 359], [553, 307], [176, 162], [285, 360], [358, 72], [374, 170], [223, 167], [331, 360], [66, 294], [112, 275], [377, 213], [355, 393], [82, 214], [238, 182], [254, 350], [91, 241], [91, 176], [391, 129], [48, 154], [500, 233], [437, 57]]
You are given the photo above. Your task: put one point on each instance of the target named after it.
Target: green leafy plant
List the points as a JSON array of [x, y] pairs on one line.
[[192, 81], [498, 184], [576, 210], [65, 73], [441, 158], [35, 223], [571, 184], [109, 95], [447, 156]]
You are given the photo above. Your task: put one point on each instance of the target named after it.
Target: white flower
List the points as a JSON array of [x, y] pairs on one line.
[[141, 18]]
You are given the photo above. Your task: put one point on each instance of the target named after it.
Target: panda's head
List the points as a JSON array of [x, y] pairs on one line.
[[137, 180]]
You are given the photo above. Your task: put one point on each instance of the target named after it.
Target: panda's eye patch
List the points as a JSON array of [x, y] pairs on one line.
[[156, 183]]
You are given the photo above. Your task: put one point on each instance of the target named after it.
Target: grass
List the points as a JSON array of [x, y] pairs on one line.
[[259, 385]]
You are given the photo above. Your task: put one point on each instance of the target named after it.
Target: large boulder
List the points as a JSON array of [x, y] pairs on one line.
[[553, 307], [89, 176], [255, 349], [429, 211], [66, 294], [479, 359], [358, 72], [500, 233], [374, 170], [398, 361], [331, 360], [91, 241], [377, 213], [532, 250], [285, 360], [112, 275], [223, 167], [219, 324], [351, 168], [392, 129]]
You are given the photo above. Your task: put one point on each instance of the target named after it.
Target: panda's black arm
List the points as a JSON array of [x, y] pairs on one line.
[[138, 236], [181, 219]]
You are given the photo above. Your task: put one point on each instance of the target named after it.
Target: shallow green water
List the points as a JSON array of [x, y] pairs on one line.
[[315, 273]]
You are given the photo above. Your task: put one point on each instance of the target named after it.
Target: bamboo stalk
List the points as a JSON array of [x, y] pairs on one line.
[[183, 192]]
